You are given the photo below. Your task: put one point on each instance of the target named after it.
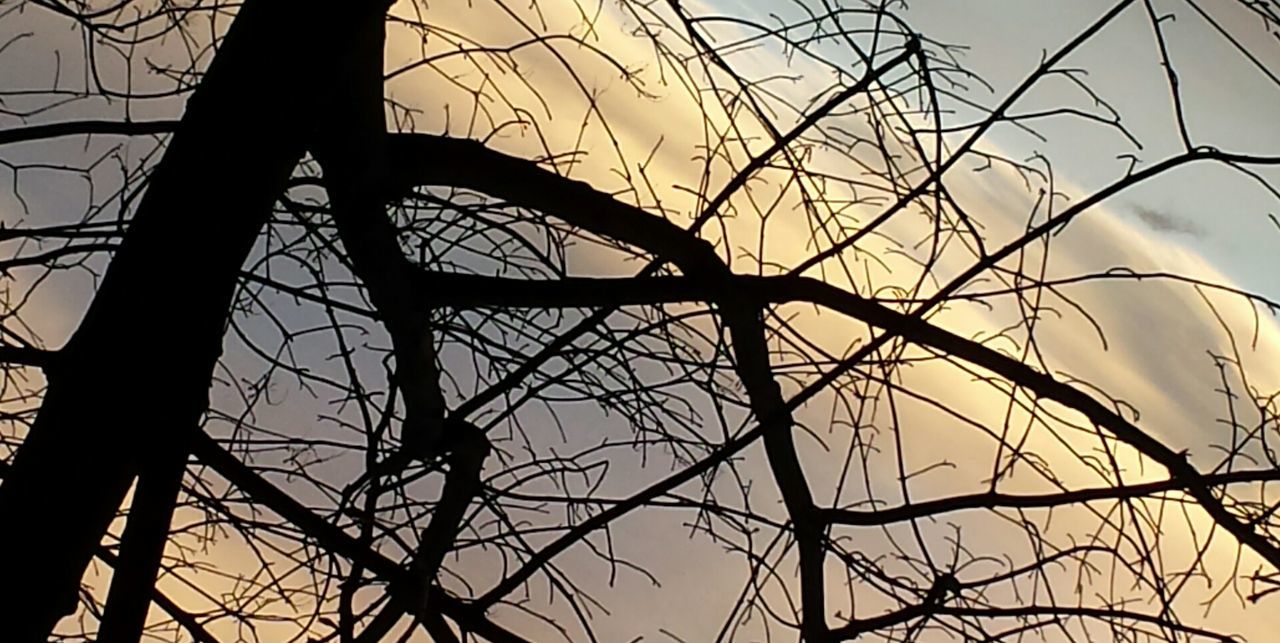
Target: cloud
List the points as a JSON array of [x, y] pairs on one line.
[[1163, 221]]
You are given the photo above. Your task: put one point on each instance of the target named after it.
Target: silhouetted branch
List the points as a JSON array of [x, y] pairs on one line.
[[80, 128], [331, 538], [27, 356]]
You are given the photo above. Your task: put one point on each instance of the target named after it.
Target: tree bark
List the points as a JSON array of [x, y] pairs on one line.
[[135, 375]]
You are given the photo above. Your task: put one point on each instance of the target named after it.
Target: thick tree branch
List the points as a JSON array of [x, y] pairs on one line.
[[142, 545], [152, 593], [414, 162], [180, 616], [789, 289], [27, 356], [350, 146], [577, 203], [242, 127]]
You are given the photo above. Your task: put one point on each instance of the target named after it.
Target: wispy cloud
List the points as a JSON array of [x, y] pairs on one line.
[[1163, 221]]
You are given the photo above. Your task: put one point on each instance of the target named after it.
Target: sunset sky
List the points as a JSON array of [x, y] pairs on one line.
[[1201, 221]]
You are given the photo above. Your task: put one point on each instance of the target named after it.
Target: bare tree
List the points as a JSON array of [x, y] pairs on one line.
[[363, 321]]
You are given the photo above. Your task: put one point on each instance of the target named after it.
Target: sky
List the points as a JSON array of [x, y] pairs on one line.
[[1218, 214], [1201, 221]]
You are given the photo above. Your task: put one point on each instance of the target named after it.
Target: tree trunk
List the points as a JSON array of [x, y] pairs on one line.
[[135, 375]]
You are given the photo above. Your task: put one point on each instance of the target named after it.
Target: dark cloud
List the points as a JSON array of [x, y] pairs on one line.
[[1167, 222]]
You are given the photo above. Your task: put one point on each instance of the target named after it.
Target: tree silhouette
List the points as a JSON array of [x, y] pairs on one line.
[[404, 328]]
